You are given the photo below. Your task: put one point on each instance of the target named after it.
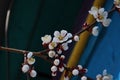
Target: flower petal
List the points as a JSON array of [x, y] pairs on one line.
[[61, 69], [95, 14], [76, 38], [83, 78], [69, 35], [106, 22], [54, 73], [65, 38], [118, 6], [98, 76], [75, 72], [62, 57], [25, 68], [30, 54], [59, 51], [105, 14], [65, 46], [93, 10], [33, 73], [51, 54], [46, 39], [56, 33], [66, 78], [101, 10], [56, 62], [69, 41], [80, 67], [53, 68], [55, 39], [63, 33], [95, 31]]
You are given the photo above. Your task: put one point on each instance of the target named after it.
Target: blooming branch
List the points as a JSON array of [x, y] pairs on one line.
[[56, 45]]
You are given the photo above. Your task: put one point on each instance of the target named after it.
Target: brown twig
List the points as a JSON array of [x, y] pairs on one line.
[[112, 10], [39, 54], [87, 28]]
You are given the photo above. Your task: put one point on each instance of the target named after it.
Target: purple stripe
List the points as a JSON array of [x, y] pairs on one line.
[[82, 15]]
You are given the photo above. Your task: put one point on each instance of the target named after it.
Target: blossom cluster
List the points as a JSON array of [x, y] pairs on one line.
[[104, 76], [76, 71], [56, 46], [58, 43], [101, 16], [27, 65], [58, 65]]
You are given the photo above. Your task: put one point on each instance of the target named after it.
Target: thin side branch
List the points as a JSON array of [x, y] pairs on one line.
[[39, 54]]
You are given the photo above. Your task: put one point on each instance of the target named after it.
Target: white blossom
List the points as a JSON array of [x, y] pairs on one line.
[[62, 56], [52, 45], [76, 38], [83, 78], [106, 78], [30, 54], [25, 68], [33, 73], [61, 69], [104, 72], [46, 39], [62, 36], [69, 35], [69, 41], [56, 62], [117, 3], [56, 55], [53, 68], [75, 72], [80, 67], [65, 46], [98, 77], [66, 78], [95, 31], [54, 73], [59, 51], [94, 11], [100, 15], [31, 61], [86, 70], [51, 54]]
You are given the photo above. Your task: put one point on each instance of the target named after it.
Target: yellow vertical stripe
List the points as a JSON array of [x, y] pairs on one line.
[[80, 45]]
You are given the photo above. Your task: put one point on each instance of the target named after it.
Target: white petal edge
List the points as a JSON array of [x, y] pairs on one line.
[[106, 22]]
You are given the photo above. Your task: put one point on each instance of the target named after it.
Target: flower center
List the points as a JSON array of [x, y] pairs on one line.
[[31, 60], [117, 2], [53, 44], [46, 37], [100, 17], [60, 37]]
